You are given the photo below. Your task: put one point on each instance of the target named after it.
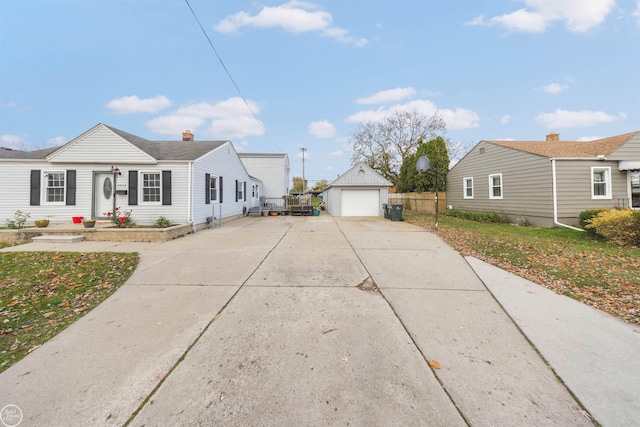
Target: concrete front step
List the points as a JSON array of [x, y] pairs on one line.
[[52, 238]]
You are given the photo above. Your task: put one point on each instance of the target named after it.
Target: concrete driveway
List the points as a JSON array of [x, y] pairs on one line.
[[292, 321]]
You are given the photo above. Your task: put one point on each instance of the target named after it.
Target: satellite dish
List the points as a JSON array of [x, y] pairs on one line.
[[423, 164]]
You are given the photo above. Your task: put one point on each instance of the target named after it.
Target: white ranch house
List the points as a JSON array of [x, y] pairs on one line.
[[188, 181]]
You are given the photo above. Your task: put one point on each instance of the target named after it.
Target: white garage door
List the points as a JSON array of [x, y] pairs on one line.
[[360, 202]]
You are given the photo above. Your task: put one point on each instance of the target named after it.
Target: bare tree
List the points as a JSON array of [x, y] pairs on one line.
[[384, 144]]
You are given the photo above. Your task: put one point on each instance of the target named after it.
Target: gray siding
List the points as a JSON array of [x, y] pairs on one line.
[[573, 179], [526, 183], [629, 151]]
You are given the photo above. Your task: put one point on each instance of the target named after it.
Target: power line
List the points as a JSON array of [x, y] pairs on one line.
[[230, 77]]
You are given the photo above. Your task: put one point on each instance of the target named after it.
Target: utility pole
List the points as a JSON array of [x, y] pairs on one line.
[[304, 182]]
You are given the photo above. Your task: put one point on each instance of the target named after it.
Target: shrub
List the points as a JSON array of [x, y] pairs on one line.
[[585, 219], [19, 219], [162, 222], [120, 217], [621, 227], [487, 217]]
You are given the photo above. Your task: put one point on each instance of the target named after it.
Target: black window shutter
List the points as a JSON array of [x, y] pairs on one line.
[[71, 188], [244, 191], [133, 188], [207, 188], [35, 188], [166, 187], [221, 189], [236, 190]]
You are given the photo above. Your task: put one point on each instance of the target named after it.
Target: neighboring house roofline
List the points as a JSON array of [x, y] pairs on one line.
[[569, 149], [263, 155], [563, 150], [157, 150], [337, 181]]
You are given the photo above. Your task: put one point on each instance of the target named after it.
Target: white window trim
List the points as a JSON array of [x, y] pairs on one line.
[[607, 188], [217, 181], [141, 187], [491, 196], [45, 187], [464, 187], [240, 194]]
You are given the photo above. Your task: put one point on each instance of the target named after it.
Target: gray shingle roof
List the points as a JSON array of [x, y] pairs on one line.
[[8, 153], [159, 150]]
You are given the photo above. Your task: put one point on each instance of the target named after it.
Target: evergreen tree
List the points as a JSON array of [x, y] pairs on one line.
[[410, 180]]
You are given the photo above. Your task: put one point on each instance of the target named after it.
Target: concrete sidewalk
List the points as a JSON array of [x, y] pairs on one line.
[[262, 322]]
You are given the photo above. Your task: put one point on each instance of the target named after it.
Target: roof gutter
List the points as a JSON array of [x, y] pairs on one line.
[[555, 199]]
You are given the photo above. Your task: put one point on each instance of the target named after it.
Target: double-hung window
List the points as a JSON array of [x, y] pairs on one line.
[[468, 188], [151, 187], [213, 188], [240, 190], [600, 183], [55, 187], [495, 186]]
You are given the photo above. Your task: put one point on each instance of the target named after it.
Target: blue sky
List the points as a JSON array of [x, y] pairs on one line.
[[310, 71]]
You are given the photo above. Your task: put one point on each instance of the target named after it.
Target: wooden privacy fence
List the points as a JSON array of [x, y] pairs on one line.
[[420, 202]]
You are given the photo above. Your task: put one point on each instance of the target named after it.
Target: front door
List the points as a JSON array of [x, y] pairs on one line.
[[103, 189]]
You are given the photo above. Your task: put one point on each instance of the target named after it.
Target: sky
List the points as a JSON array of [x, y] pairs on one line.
[[277, 76]]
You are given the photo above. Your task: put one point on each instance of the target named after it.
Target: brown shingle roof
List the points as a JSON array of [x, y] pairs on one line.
[[604, 146]]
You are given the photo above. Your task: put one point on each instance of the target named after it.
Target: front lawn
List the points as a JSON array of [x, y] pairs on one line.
[[41, 293], [566, 261]]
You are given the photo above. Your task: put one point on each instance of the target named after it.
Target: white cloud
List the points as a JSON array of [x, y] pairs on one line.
[[56, 141], [14, 141], [21, 142], [459, 118], [228, 119], [294, 17], [322, 129], [569, 119], [133, 104], [336, 153], [636, 13], [386, 96], [554, 88], [505, 119], [589, 138], [578, 16], [241, 146]]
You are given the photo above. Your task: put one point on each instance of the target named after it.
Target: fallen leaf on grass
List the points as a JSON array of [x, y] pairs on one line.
[[434, 364]]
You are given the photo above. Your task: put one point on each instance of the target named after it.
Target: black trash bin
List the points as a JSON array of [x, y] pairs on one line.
[[385, 210], [396, 212]]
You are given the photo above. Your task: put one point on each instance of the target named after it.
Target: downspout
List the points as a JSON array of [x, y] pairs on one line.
[[555, 199], [189, 197]]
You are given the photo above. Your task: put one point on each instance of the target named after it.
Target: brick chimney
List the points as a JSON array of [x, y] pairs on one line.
[[187, 135], [553, 137]]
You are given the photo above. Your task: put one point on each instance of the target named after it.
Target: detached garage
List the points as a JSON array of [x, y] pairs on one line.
[[360, 191]]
